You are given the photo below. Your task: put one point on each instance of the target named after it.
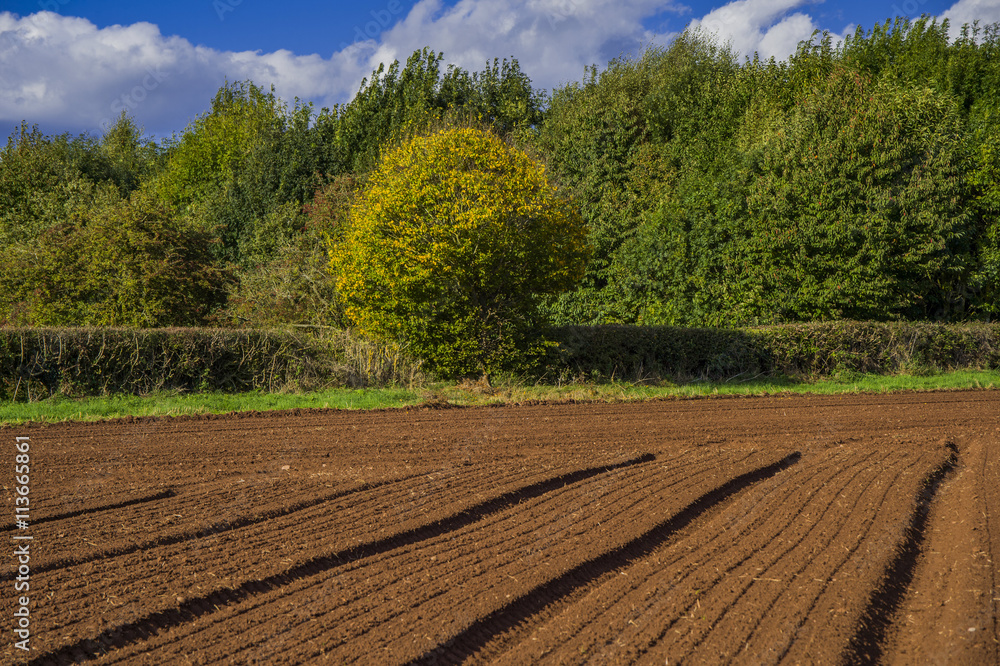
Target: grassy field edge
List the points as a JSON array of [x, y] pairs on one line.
[[59, 409]]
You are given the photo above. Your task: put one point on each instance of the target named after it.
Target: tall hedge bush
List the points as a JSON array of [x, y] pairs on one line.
[[450, 246]]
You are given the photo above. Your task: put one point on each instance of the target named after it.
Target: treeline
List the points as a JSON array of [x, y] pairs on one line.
[[859, 180], [853, 181]]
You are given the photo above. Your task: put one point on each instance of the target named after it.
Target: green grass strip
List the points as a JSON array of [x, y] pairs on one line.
[[625, 391], [91, 409]]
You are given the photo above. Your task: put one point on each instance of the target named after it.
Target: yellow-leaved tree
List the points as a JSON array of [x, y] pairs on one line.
[[451, 244]]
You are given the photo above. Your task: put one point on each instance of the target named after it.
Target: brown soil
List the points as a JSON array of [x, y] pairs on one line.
[[798, 529]]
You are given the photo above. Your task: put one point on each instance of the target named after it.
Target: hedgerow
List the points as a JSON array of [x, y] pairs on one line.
[[39, 362], [805, 351]]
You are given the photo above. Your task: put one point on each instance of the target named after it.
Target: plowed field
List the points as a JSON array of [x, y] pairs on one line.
[[822, 530]]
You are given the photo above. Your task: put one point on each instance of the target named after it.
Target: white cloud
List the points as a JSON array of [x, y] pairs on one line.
[[969, 11], [553, 40], [65, 72], [764, 27], [783, 38]]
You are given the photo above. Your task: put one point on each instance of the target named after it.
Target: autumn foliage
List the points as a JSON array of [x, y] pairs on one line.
[[450, 246]]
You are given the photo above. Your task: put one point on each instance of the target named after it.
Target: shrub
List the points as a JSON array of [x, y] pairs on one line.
[[449, 247], [128, 263]]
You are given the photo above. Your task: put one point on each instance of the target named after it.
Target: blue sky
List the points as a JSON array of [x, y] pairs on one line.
[[71, 65]]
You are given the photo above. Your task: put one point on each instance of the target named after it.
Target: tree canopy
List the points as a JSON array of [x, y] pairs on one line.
[[856, 179]]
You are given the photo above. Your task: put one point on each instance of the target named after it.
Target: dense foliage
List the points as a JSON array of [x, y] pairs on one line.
[[451, 244], [251, 179], [131, 263], [856, 180]]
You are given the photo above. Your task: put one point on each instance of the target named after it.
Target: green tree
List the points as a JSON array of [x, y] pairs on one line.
[[122, 263], [984, 180], [620, 142], [45, 180], [920, 53], [402, 99], [855, 209], [499, 96], [224, 171], [672, 270], [296, 285], [453, 240], [131, 159]]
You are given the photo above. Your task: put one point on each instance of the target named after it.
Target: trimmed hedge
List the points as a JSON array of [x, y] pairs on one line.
[[881, 348], [640, 353], [39, 362], [797, 350]]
